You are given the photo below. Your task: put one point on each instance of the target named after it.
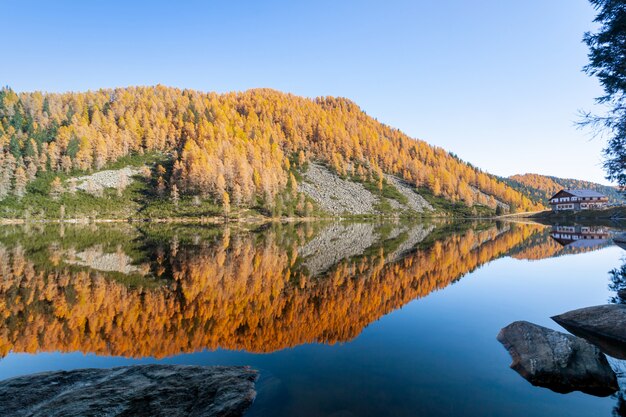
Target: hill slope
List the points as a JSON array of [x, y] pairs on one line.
[[542, 187], [233, 150]]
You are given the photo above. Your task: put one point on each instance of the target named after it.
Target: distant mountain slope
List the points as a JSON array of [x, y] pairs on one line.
[[542, 187], [242, 149]]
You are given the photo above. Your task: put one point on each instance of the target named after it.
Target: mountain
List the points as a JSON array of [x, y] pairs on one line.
[[541, 187], [206, 153]]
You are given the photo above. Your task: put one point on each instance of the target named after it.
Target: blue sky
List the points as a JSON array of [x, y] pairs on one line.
[[497, 82]]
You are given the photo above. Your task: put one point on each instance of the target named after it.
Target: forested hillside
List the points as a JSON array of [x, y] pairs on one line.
[[542, 187], [236, 149]]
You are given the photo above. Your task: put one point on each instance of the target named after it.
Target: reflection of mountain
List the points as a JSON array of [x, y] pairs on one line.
[[342, 241], [235, 290]]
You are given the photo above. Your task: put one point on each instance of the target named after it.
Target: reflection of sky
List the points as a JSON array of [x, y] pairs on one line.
[[435, 356]]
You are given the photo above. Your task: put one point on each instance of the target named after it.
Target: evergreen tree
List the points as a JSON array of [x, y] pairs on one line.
[[607, 62], [14, 147]]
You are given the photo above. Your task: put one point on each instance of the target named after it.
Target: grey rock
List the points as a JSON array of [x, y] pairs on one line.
[[336, 195], [478, 193], [604, 326], [139, 391], [558, 361], [106, 179], [415, 201], [339, 196]]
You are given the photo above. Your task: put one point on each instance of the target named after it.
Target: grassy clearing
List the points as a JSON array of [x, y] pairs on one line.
[[38, 204]]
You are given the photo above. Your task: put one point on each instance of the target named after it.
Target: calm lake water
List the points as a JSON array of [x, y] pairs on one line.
[[341, 319]]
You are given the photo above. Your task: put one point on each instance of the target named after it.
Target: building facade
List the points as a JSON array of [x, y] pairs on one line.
[[578, 200]]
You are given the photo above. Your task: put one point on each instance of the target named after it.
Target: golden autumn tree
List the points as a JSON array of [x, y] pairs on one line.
[[238, 290], [246, 144], [56, 188]]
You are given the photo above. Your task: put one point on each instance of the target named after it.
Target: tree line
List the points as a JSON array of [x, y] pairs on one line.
[[237, 148], [542, 187]]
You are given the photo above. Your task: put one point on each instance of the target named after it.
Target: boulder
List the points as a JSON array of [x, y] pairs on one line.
[[142, 391], [604, 326], [558, 361]]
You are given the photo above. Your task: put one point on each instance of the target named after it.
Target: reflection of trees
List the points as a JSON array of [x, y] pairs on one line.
[[617, 277], [620, 408], [234, 291], [620, 405]]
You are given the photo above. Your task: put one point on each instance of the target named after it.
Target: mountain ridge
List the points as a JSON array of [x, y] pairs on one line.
[[244, 150], [541, 187]]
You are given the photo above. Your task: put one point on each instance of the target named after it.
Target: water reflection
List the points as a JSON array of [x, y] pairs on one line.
[[580, 236], [162, 290], [575, 239]]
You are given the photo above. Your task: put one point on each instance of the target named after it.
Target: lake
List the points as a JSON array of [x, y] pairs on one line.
[[341, 319]]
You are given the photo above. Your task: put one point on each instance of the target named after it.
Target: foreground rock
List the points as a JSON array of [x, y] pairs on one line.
[[558, 361], [604, 326], [150, 391]]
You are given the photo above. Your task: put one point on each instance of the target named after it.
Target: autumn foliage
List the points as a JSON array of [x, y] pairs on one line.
[[546, 185], [238, 291], [542, 187], [238, 148]]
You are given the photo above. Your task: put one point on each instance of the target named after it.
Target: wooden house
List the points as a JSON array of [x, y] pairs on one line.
[[578, 200]]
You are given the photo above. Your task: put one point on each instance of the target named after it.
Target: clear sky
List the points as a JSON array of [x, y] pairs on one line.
[[497, 82]]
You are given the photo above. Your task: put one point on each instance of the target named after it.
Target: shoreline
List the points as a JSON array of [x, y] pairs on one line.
[[217, 220], [617, 213]]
